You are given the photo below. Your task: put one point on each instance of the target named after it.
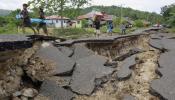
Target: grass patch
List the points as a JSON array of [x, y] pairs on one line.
[[6, 30], [73, 33], [171, 30]]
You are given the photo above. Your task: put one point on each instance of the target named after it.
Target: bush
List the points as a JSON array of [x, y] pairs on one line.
[[116, 21], [119, 21], [171, 30], [138, 23], [84, 23], [103, 29]]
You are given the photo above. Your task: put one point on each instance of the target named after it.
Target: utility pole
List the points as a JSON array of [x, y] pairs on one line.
[[121, 12], [61, 11]]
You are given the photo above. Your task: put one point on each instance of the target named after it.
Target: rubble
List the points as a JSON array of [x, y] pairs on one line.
[[29, 92], [62, 81]]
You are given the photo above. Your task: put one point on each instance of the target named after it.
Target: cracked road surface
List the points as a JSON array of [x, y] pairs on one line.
[[40, 68]]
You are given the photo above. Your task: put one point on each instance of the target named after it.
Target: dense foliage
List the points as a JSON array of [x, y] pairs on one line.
[[168, 13], [138, 23], [9, 24]]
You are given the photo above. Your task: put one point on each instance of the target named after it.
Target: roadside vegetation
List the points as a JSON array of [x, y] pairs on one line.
[[73, 33], [168, 13], [139, 19]]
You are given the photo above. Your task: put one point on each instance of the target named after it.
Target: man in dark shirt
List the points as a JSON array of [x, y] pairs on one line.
[[26, 19], [42, 24], [97, 25]]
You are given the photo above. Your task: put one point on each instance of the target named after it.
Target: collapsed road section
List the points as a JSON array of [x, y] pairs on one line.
[[106, 68], [164, 87]]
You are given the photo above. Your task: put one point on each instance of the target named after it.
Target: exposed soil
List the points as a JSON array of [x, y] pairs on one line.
[[139, 83]]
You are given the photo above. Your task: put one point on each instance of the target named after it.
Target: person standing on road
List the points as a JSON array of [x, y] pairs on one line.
[[97, 26], [26, 22], [110, 27], [123, 28], [42, 24]]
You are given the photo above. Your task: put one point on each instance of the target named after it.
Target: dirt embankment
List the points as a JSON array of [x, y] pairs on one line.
[[138, 85]]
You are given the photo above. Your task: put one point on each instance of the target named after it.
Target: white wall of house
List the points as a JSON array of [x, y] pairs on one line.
[[57, 23]]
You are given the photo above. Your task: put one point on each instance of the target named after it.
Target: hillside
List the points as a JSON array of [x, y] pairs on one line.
[[4, 12], [115, 10], [126, 12]]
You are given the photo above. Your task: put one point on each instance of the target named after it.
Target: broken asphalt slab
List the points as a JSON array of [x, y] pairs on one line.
[[162, 41], [12, 38], [166, 64], [86, 71], [167, 60], [12, 42], [161, 36], [156, 43], [66, 51], [62, 63], [81, 51], [156, 36], [168, 44], [125, 71], [44, 38], [54, 92], [165, 86]]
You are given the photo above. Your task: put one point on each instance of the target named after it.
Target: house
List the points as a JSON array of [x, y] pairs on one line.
[[55, 21], [129, 23], [91, 15], [76, 24]]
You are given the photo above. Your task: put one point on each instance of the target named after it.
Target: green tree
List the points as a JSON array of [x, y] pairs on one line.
[[2, 21], [116, 21], [58, 6], [168, 13], [138, 23]]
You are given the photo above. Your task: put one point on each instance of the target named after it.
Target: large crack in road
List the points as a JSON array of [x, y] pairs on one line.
[[107, 68], [135, 86]]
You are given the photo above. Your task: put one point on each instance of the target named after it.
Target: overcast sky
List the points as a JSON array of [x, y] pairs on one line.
[[144, 5]]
